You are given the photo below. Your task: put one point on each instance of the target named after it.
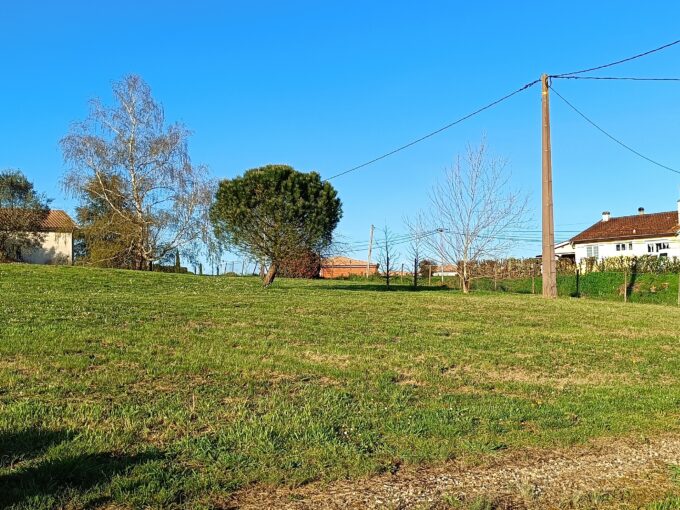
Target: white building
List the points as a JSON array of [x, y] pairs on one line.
[[57, 241], [656, 234]]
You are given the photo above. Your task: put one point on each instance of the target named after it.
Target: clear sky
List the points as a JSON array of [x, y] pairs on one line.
[[328, 85]]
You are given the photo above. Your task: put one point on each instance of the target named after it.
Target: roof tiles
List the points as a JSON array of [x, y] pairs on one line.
[[630, 227]]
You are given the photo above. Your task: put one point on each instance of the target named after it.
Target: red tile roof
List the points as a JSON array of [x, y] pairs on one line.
[[344, 262], [58, 221], [631, 227]]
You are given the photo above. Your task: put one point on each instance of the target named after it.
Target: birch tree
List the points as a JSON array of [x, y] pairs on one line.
[[161, 200]]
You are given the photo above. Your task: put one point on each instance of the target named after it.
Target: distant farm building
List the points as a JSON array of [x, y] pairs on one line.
[[445, 270], [336, 267], [57, 241]]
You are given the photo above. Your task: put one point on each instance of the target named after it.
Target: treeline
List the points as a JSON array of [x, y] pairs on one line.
[[143, 204]]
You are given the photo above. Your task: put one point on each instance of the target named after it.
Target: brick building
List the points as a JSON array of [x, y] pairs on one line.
[[335, 267]]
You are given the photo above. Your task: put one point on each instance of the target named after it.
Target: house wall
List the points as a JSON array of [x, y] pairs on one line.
[[608, 249], [340, 271], [56, 248]]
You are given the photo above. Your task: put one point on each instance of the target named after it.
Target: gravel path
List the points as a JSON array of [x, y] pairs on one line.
[[619, 474]]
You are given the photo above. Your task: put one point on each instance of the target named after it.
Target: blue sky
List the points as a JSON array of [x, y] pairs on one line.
[[327, 85]]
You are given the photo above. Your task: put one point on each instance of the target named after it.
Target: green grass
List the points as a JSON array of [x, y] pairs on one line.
[[135, 389], [641, 288]]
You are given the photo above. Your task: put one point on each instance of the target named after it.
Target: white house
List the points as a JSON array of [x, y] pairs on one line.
[[57, 241], [445, 270], [656, 234]]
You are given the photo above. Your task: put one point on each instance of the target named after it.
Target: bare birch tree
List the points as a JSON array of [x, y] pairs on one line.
[[477, 211], [161, 199]]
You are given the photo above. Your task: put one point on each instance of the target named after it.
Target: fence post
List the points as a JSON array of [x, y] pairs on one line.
[[625, 286], [678, 288], [533, 277], [401, 279], [429, 275], [495, 276]]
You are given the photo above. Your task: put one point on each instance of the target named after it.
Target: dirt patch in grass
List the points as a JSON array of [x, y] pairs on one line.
[[524, 376], [335, 360], [604, 474]]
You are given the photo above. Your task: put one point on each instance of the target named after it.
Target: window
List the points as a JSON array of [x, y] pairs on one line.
[[655, 248], [624, 246], [630, 246], [592, 251]]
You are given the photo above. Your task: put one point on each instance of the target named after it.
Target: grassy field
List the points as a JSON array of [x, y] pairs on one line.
[[129, 389]]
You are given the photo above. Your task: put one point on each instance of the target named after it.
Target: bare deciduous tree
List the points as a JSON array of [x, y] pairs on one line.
[[418, 232], [162, 199], [477, 211], [387, 254]]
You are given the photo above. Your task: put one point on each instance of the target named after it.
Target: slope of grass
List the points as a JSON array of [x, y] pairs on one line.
[[159, 390]]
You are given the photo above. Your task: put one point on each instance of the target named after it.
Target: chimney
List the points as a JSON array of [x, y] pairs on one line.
[[641, 211], [605, 214]]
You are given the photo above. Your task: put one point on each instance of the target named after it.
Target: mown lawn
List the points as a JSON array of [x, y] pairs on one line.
[[128, 389]]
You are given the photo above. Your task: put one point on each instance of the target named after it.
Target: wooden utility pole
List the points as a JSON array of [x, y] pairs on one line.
[[548, 255], [370, 248]]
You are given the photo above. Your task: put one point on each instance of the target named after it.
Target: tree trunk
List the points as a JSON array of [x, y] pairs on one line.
[[465, 280], [271, 274], [415, 272]]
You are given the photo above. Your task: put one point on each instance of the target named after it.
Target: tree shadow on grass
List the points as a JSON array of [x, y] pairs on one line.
[[27, 444], [50, 478]]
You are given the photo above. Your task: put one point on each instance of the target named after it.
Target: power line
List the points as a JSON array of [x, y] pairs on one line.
[[403, 238], [628, 59], [408, 238], [508, 96], [628, 78], [443, 128], [611, 137]]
